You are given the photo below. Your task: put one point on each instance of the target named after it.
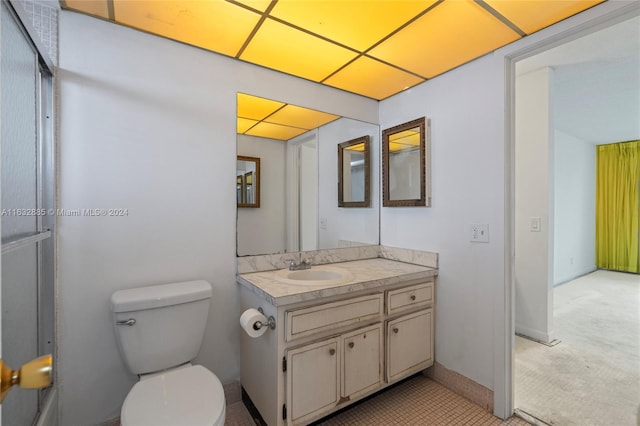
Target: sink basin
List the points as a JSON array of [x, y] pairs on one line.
[[317, 275]]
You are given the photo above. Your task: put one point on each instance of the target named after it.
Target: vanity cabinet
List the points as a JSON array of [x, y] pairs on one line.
[[328, 352]]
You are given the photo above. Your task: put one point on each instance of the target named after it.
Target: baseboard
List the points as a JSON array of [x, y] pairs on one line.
[[537, 335], [462, 385], [572, 277]]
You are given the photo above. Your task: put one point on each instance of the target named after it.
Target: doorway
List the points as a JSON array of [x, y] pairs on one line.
[[583, 88]]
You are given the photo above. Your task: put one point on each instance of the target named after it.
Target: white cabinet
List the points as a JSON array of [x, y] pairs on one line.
[[330, 352], [313, 380], [409, 344]]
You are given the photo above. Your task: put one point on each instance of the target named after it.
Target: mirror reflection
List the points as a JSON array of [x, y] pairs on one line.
[[404, 153], [299, 179], [353, 173], [248, 182]]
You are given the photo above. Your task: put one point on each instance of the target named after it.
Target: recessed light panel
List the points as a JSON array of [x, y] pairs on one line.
[[286, 49], [304, 118], [274, 131], [245, 124], [357, 24], [531, 16], [452, 33], [256, 108], [214, 25], [96, 8], [372, 78], [259, 5]]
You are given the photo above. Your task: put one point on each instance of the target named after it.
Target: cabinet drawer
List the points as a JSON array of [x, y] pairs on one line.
[[329, 316], [405, 298]]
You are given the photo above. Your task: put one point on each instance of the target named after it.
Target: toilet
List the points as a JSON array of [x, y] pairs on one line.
[[159, 331]]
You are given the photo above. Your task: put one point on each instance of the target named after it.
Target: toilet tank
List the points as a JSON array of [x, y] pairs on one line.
[[168, 324]]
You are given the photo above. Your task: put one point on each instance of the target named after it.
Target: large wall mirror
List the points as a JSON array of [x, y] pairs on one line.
[[353, 173], [297, 148], [405, 165], [248, 182]]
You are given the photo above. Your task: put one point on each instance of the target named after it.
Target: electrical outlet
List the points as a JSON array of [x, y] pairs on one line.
[[479, 233]]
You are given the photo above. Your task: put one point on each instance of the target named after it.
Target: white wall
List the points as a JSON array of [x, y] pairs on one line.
[[261, 230], [533, 201], [465, 110], [575, 207], [346, 224], [149, 125]]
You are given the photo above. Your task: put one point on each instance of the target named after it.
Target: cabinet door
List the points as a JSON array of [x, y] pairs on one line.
[[313, 379], [409, 344], [361, 361]]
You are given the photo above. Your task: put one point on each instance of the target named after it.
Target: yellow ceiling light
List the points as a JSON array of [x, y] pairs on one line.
[[256, 108], [303, 118], [274, 131], [259, 5], [371, 78], [452, 33], [97, 8], [244, 124], [295, 52], [531, 16], [214, 25], [358, 24]]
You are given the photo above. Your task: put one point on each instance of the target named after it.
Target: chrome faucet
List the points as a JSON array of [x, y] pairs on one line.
[[304, 264]]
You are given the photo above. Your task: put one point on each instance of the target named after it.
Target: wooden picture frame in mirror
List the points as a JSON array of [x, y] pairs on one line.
[[248, 182], [354, 175], [405, 165]]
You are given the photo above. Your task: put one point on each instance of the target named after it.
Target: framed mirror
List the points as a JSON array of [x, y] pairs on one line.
[[405, 172], [248, 182], [353, 173]]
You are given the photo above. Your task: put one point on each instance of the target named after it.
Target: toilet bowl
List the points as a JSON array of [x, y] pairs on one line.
[[160, 330]]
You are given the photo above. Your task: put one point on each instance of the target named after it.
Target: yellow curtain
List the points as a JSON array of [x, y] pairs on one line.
[[617, 205]]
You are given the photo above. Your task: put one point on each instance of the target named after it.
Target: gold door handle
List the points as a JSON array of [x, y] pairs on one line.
[[35, 374]]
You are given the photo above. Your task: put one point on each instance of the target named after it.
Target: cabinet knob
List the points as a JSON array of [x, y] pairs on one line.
[[395, 329], [351, 344], [332, 351], [413, 297]]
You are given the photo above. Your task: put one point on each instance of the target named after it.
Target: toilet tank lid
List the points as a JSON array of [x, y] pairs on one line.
[[157, 296]]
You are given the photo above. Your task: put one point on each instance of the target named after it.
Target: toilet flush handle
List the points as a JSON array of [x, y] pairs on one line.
[[129, 322]]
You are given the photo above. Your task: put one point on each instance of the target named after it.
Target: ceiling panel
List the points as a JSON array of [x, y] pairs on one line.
[[274, 131], [256, 108], [214, 25], [259, 5], [358, 24], [286, 49], [96, 8], [304, 118], [372, 78], [530, 17], [245, 124], [451, 34]]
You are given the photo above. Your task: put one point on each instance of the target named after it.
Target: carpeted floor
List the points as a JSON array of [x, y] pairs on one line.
[[592, 377]]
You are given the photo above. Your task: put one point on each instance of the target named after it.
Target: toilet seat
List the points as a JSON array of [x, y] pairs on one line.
[[189, 396]]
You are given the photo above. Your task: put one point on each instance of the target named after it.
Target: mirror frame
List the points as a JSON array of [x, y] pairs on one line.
[[255, 204], [366, 140], [425, 198]]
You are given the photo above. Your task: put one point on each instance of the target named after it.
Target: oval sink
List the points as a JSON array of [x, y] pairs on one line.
[[317, 275]]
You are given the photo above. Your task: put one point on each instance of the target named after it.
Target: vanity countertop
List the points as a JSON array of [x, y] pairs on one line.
[[367, 274]]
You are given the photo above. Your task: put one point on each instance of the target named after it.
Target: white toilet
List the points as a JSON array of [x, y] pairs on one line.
[[160, 330]]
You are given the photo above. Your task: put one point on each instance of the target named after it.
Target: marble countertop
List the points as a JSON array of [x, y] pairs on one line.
[[367, 274]]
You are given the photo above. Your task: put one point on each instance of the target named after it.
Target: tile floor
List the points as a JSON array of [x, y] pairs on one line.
[[417, 401]]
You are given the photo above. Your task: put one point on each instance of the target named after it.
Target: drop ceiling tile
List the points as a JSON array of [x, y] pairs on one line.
[[260, 5], [355, 23], [255, 107], [531, 16], [303, 118], [286, 49], [245, 124], [452, 33], [372, 78], [275, 131], [214, 25], [91, 7]]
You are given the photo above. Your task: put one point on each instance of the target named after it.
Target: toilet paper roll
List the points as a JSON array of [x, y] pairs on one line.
[[249, 318]]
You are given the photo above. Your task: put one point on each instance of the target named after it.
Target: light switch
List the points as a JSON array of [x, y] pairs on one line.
[[323, 223], [536, 224]]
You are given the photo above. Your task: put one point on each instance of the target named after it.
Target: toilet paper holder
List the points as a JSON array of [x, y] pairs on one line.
[[271, 322]]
